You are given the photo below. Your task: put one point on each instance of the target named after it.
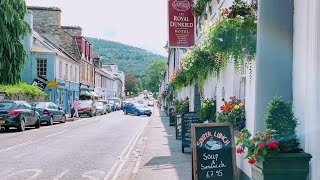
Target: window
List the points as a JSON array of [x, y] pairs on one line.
[[76, 74], [66, 72], [83, 71], [71, 74], [42, 67], [60, 70]]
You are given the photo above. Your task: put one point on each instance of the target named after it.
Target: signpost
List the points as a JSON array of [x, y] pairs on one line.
[[39, 84], [53, 84], [178, 126], [181, 24], [213, 152], [187, 119]]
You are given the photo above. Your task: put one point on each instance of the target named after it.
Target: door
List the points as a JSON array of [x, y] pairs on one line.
[[55, 111], [32, 118]]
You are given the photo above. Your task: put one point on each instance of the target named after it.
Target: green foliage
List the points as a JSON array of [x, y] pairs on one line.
[[154, 72], [182, 106], [130, 59], [12, 29], [208, 111], [21, 89], [132, 84], [199, 7], [280, 117]]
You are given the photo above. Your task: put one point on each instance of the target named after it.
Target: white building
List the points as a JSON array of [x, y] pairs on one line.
[[286, 64], [119, 77]]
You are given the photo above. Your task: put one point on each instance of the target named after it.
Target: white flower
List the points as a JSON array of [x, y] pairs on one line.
[[220, 39]]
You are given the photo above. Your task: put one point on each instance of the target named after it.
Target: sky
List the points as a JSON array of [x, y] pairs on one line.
[[141, 23]]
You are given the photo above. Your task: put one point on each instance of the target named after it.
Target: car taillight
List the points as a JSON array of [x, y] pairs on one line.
[[45, 111], [14, 113]]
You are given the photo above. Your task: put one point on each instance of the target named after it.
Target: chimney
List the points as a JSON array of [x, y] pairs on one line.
[[45, 17], [75, 31]]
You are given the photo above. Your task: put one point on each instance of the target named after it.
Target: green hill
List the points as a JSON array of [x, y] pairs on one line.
[[130, 59]]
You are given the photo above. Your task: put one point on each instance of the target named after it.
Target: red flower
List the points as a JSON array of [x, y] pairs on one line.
[[240, 151], [251, 161], [239, 135], [265, 136], [226, 11], [273, 144], [261, 145]]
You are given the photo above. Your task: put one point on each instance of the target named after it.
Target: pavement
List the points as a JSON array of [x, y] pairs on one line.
[[157, 155]]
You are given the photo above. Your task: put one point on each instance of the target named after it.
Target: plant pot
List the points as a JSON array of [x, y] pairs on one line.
[[290, 166]]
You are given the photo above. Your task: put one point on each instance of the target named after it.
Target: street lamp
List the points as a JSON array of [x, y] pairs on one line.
[[166, 47]]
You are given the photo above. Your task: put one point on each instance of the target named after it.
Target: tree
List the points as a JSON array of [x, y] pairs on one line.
[[154, 74], [12, 29], [132, 84]]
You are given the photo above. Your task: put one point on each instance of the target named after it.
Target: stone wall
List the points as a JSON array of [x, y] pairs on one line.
[[44, 17], [73, 30]]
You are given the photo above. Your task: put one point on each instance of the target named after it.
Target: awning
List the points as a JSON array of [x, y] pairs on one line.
[[94, 94]]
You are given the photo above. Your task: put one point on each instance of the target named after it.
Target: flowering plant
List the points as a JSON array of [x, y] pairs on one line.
[[257, 146], [208, 111], [233, 111]]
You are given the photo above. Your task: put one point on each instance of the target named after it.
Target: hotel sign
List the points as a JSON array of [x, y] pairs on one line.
[[181, 23]]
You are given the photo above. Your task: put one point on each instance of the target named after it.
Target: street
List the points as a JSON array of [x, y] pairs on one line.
[[89, 148]]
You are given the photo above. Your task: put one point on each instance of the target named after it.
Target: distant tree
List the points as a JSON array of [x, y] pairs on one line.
[[132, 84], [12, 29], [154, 71]]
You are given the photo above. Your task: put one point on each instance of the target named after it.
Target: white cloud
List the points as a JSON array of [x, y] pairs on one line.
[[141, 23]]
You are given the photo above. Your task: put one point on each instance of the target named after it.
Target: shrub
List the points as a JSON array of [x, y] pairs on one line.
[[21, 89], [280, 117]]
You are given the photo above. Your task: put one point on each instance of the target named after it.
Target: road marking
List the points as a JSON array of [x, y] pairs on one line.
[[20, 155], [136, 167], [93, 174], [61, 175], [130, 150], [18, 145], [56, 133], [36, 172]]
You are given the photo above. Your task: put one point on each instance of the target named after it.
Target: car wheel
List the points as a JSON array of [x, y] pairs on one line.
[[22, 125], [6, 128], [90, 114], [50, 122], [149, 115], [37, 125], [64, 119], [125, 112]]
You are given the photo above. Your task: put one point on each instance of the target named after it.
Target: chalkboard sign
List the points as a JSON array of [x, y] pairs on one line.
[[213, 152], [188, 119], [178, 126]]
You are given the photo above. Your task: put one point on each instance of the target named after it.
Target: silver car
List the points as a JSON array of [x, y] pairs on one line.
[[101, 108], [107, 104]]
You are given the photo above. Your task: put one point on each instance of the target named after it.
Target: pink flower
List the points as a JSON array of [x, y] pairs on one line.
[[265, 136], [261, 145], [239, 135], [240, 151]]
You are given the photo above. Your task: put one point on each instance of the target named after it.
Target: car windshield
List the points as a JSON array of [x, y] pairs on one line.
[[39, 104], [140, 105], [85, 103], [6, 105], [99, 104]]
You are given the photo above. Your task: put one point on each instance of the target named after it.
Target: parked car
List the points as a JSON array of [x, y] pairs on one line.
[[107, 104], [136, 109], [151, 103], [116, 101], [87, 107], [101, 108], [18, 114], [113, 105], [50, 112]]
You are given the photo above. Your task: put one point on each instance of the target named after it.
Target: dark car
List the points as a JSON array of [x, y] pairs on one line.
[[116, 101], [87, 107], [18, 114], [136, 109], [113, 105], [50, 112]]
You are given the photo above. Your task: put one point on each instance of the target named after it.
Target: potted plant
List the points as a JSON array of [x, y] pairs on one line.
[[275, 153], [207, 112], [234, 112]]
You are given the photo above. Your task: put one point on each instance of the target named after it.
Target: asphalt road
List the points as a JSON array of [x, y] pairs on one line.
[[89, 148]]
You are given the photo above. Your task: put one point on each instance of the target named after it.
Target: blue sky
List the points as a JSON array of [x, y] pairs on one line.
[[141, 23]]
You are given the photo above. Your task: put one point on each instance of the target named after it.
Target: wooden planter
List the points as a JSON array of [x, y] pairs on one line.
[[282, 166]]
